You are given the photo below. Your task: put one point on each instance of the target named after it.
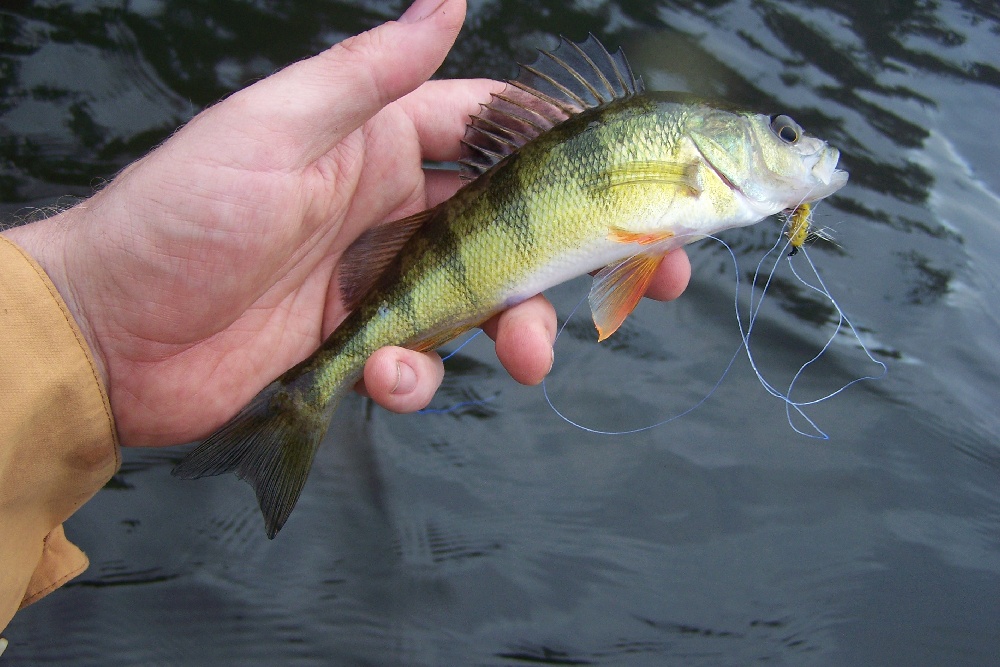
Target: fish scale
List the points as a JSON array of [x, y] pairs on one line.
[[573, 168]]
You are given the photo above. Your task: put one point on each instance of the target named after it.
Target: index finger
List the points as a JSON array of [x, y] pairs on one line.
[[441, 110]]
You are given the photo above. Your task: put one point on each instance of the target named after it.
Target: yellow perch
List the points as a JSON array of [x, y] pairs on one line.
[[573, 168]]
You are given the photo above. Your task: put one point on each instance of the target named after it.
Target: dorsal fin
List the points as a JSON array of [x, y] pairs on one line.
[[558, 85], [365, 260]]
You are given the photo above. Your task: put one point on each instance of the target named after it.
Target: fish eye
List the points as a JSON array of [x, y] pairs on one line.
[[786, 129]]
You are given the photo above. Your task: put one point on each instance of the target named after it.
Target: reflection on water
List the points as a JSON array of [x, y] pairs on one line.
[[497, 534]]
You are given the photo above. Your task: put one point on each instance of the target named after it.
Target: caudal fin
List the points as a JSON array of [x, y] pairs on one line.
[[270, 444]]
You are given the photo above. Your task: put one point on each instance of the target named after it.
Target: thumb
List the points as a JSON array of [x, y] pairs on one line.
[[313, 104]]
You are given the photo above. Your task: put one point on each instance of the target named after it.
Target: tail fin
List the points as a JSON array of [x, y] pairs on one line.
[[270, 444]]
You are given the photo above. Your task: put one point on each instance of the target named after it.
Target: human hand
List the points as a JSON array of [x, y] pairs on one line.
[[207, 268]]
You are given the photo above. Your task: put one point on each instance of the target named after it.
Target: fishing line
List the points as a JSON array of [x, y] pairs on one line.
[[458, 406], [732, 360], [841, 320], [463, 344], [745, 335], [753, 312]]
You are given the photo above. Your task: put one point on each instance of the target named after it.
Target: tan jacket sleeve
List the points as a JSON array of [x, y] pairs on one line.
[[58, 444]]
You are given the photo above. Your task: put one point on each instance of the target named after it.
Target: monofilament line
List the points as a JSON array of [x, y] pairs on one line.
[[451, 409], [842, 319], [548, 399], [745, 337]]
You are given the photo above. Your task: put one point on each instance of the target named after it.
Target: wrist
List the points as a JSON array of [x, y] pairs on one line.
[[48, 243]]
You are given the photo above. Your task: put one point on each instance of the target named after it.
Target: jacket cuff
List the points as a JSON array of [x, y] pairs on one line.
[[58, 444]]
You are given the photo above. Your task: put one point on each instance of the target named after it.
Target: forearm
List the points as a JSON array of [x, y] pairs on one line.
[[57, 437]]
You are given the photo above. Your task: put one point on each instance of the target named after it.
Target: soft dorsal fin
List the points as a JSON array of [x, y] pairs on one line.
[[558, 85], [365, 260]]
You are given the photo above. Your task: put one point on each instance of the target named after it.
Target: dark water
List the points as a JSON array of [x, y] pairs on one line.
[[500, 535]]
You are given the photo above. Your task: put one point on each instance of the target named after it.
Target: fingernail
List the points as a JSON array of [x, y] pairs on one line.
[[406, 380], [420, 10]]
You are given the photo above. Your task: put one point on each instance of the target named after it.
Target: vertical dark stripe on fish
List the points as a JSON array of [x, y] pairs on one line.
[[509, 196]]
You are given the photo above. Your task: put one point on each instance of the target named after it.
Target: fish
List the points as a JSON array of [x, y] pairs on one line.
[[572, 168]]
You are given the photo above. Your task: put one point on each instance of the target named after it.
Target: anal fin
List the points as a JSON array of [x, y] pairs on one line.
[[436, 340]]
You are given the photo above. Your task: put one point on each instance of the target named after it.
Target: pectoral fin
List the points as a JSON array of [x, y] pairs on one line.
[[681, 176], [618, 288]]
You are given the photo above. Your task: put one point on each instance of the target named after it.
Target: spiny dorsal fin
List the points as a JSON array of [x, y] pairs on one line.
[[558, 85], [365, 260]]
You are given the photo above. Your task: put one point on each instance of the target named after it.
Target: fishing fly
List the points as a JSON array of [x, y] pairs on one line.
[[797, 233], [797, 227]]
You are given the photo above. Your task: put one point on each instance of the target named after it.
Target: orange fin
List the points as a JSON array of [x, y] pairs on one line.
[[437, 339], [368, 258], [619, 235], [618, 288]]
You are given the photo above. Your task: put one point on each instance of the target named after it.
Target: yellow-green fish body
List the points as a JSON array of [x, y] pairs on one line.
[[573, 169]]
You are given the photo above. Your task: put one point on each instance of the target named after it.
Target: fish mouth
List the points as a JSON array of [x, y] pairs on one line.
[[827, 177]]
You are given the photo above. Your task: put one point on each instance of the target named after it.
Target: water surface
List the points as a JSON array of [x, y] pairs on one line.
[[499, 535]]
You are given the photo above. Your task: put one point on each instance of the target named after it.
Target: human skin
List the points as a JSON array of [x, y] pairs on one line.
[[208, 267]]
